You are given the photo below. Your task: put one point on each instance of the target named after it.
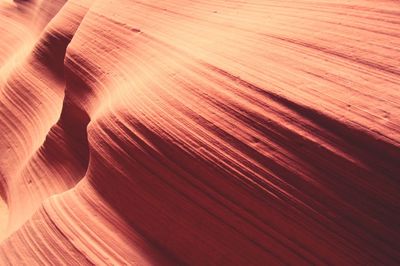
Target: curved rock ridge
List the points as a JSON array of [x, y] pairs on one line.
[[257, 132]]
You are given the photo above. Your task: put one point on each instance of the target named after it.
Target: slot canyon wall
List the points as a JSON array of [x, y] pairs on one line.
[[175, 132]]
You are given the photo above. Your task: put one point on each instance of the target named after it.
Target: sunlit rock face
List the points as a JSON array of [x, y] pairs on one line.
[[255, 132]]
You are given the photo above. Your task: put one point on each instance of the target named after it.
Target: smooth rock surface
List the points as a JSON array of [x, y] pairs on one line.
[[149, 132]]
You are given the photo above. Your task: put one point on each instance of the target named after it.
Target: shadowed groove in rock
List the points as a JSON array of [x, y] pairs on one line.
[[213, 142]]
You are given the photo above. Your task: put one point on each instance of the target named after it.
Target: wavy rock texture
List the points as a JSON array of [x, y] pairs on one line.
[[255, 132]]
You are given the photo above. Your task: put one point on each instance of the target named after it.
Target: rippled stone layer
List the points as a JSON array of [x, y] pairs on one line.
[[199, 132]]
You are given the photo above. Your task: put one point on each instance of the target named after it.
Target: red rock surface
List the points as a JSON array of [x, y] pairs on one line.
[[255, 132]]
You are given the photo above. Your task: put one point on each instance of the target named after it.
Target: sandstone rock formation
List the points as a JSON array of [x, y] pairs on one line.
[[254, 132]]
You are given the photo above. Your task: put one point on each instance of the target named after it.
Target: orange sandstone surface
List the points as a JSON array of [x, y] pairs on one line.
[[174, 132]]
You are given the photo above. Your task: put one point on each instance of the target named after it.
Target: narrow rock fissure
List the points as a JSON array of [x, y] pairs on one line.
[[71, 126]]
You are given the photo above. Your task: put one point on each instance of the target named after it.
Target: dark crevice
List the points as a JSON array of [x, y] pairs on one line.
[[65, 148]]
